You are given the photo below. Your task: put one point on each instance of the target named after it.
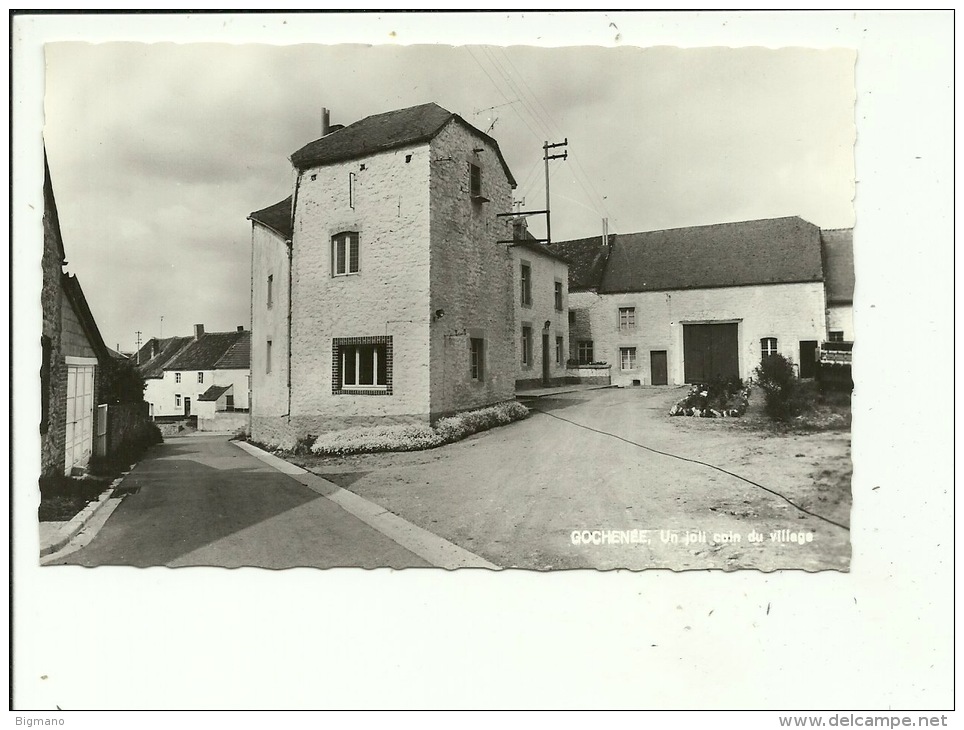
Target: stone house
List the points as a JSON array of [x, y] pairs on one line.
[[690, 304], [379, 291], [179, 371], [73, 357], [541, 283]]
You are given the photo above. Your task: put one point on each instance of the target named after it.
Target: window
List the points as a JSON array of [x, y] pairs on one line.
[[477, 357], [584, 351], [572, 316], [361, 365], [526, 279], [526, 345], [267, 357], [558, 296], [627, 318], [270, 290], [177, 377], [768, 346], [627, 358], [200, 377], [229, 402], [559, 343], [475, 180], [344, 253], [177, 400], [836, 336]]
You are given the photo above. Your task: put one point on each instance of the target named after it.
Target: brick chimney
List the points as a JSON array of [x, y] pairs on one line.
[[198, 331]]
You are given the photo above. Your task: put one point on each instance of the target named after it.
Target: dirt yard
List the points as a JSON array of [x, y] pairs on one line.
[[541, 493]]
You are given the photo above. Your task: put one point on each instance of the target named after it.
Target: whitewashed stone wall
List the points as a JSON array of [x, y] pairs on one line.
[[471, 277], [545, 271], [789, 312], [385, 199]]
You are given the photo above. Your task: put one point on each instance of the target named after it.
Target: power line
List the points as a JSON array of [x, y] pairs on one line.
[[701, 463]]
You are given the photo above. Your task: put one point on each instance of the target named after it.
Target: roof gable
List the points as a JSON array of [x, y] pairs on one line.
[[838, 264], [770, 251], [78, 302], [276, 217]]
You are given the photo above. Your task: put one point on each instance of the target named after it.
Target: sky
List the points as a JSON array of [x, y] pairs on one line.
[[159, 152]]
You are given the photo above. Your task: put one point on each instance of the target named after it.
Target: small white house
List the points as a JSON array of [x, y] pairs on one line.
[[180, 370]]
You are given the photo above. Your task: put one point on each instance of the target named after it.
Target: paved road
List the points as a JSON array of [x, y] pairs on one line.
[[515, 495], [201, 500]]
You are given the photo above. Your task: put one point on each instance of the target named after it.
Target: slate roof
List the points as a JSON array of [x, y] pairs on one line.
[[381, 132], [214, 392], [238, 356], [838, 264], [167, 349], [770, 251], [587, 259], [210, 349], [277, 217]]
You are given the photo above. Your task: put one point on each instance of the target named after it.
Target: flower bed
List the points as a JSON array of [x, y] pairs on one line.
[[719, 399], [417, 436]]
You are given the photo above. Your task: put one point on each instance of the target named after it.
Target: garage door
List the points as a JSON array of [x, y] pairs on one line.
[[79, 439], [710, 351]]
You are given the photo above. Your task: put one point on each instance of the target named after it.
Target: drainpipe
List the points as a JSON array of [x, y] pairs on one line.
[[294, 207]]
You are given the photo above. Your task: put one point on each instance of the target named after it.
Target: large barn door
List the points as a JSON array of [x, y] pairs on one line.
[[79, 440], [710, 351]]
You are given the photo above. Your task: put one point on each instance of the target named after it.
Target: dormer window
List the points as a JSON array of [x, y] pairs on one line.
[[344, 253]]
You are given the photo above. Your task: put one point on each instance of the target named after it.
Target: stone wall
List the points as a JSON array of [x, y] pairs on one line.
[[471, 276], [789, 312], [269, 386], [384, 198], [53, 423], [124, 421]]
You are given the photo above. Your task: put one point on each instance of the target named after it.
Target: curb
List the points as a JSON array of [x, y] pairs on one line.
[[79, 521], [427, 545]]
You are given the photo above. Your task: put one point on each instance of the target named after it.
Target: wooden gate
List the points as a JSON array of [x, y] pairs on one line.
[[710, 351], [78, 440]]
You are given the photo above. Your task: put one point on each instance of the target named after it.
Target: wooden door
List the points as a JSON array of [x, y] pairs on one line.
[[545, 358], [710, 351], [808, 358], [657, 367], [79, 436]]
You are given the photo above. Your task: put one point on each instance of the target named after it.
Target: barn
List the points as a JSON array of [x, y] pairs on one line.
[[688, 305]]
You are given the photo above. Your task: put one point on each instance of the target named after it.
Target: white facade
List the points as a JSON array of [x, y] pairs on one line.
[[179, 390], [541, 284], [790, 313]]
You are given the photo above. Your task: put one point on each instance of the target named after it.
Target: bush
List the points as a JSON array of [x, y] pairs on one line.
[[417, 436], [142, 436], [784, 397], [717, 398]]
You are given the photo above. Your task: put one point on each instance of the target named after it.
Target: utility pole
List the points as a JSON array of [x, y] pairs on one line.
[[546, 157], [138, 333], [162, 327]]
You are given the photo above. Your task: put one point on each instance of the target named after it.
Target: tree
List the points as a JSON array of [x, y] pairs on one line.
[[122, 383]]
